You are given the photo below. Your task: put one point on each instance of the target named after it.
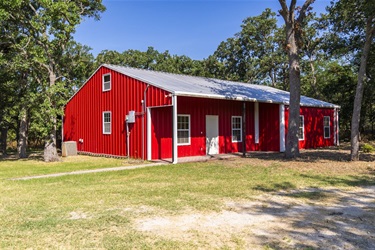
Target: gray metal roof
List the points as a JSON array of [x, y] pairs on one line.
[[184, 85]]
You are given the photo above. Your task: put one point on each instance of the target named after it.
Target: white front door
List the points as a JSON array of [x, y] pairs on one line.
[[212, 134]]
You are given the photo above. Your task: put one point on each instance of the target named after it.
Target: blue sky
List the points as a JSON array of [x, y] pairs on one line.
[[183, 27]]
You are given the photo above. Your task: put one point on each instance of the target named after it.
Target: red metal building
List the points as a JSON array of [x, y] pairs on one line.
[[155, 115]]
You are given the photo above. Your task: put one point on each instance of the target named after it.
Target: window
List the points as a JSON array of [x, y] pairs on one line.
[[236, 129], [301, 128], [106, 82], [183, 130], [326, 124], [107, 122]]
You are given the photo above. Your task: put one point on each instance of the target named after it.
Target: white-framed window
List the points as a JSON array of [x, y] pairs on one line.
[[107, 122], [106, 82], [301, 128], [236, 129], [183, 129], [327, 128]]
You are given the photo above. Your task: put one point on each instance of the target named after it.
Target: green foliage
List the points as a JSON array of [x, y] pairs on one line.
[[152, 60], [253, 55], [367, 148], [41, 59]]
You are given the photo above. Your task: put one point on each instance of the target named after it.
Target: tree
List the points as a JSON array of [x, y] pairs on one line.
[[44, 61], [294, 33], [51, 28], [152, 60], [355, 21], [253, 54]]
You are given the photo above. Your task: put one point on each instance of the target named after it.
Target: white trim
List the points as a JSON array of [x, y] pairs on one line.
[[62, 128], [174, 129], [110, 82], [189, 130], [110, 122], [256, 122], [148, 135], [240, 129], [282, 127], [334, 127], [329, 127], [216, 117], [240, 98], [303, 128]]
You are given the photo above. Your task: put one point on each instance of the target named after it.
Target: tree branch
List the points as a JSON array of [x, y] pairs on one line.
[[303, 11], [284, 12]]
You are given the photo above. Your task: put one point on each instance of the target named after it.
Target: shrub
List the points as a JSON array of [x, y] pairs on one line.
[[367, 148]]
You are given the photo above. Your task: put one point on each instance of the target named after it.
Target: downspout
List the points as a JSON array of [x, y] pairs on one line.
[[127, 139], [143, 120]]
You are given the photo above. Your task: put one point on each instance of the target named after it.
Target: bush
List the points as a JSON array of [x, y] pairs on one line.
[[367, 148]]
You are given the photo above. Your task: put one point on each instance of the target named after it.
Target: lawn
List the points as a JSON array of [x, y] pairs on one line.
[[100, 210]]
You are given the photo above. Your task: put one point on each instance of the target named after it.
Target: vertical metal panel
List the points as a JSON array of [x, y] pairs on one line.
[[83, 114], [161, 130], [269, 127]]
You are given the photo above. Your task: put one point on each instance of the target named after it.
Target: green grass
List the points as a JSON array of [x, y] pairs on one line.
[[11, 168], [39, 213]]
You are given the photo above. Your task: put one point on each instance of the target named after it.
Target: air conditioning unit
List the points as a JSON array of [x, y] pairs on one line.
[[69, 148]]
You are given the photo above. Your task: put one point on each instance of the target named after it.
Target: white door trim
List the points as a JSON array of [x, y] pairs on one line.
[[212, 130]]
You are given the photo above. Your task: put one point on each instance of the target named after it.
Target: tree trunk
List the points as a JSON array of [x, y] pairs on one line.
[[313, 80], [292, 142], [50, 150], [354, 132], [22, 135], [3, 140]]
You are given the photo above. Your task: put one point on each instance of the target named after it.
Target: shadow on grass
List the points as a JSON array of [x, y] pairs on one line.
[[35, 155], [316, 225], [309, 195], [314, 155], [274, 187], [350, 181]]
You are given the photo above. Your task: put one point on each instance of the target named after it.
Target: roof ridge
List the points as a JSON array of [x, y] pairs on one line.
[[170, 73]]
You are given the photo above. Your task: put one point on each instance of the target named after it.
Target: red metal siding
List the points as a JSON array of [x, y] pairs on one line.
[[83, 114], [269, 127], [198, 108], [313, 127], [161, 132]]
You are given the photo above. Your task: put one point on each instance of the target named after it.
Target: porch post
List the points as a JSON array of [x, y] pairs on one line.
[[336, 128], [148, 133], [244, 129], [256, 122], [282, 127], [174, 129]]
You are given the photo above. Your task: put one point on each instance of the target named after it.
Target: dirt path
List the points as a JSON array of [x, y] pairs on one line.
[[299, 219]]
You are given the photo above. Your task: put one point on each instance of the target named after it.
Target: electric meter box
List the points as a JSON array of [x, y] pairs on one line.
[[130, 118]]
